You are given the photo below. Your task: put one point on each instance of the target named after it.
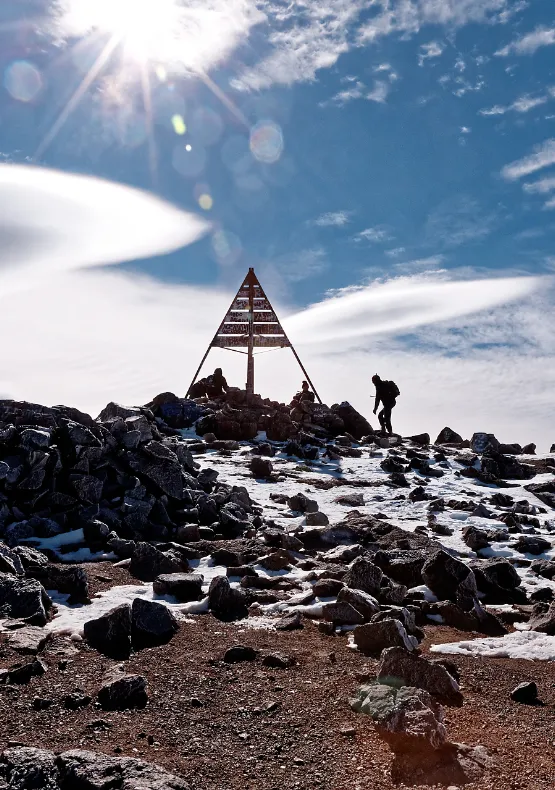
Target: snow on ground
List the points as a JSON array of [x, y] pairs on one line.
[[72, 538], [521, 644], [382, 499]]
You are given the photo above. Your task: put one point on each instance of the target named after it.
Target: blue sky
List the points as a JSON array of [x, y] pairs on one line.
[[333, 145]]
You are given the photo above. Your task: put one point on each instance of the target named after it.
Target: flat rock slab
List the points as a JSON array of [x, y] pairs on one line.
[[29, 640]]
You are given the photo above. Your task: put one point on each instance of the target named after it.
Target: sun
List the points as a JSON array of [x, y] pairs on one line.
[[146, 29]]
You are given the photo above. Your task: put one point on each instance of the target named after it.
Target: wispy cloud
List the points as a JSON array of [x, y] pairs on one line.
[[542, 186], [303, 38], [429, 51], [521, 105], [335, 219], [379, 91], [302, 265], [529, 43], [457, 221], [356, 89], [375, 235], [550, 204], [543, 156]]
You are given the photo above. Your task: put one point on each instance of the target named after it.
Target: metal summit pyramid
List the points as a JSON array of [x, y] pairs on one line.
[[251, 323]]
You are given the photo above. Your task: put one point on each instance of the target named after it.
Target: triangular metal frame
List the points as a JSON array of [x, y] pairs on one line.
[[251, 322]]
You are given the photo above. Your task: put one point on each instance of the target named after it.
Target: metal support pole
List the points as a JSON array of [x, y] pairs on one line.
[[305, 373], [193, 382], [250, 360]]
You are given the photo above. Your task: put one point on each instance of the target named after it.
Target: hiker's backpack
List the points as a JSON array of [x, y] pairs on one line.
[[391, 390]]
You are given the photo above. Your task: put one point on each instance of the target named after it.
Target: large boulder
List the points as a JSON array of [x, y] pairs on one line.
[[342, 613], [151, 624], [372, 638], [498, 580], [362, 602], [24, 599], [399, 668], [407, 718], [157, 465], [110, 634], [450, 579], [354, 423], [448, 436], [481, 442], [545, 492], [182, 586], [23, 768], [225, 602], [505, 467], [544, 621], [148, 562], [364, 575], [401, 565]]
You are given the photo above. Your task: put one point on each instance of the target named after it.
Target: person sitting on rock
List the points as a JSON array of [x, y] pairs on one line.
[[216, 384], [387, 393], [302, 404]]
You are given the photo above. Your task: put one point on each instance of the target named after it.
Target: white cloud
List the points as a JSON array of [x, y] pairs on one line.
[[550, 204], [402, 304], [333, 219], [529, 43], [542, 156], [305, 37], [374, 235], [429, 51], [54, 221], [379, 91], [542, 186], [465, 130], [522, 105]]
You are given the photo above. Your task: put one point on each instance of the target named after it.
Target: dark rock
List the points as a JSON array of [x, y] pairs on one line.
[[404, 567], [76, 701], [529, 449], [544, 622], [82, 770], [122, 692], [342, 613], [372, 638], [353, 422], [239, 653], [481, 442], [27, 768], [327, 588], [450, 579], [317, 519], [261, 467], [422, 439], [545, 568], [111, 633], [448, 436], [525, 693], [498, 580], [475, 538], [350, 500], [21, 675], [364, 575], [399, 668], [278, 661], [68, 579], [225, 602], [183, 586], [361, 601], [28, 640], [418, 494], [302, 504], [545, 492], [531, 544], [24, 599], [151, 624], [147, 562], [290, 622]]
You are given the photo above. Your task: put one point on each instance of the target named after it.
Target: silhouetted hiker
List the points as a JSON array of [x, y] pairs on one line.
[[387, 393], [302, 404], [216, 384]]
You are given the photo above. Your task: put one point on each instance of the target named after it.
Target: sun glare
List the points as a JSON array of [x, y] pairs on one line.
[[147, 29]]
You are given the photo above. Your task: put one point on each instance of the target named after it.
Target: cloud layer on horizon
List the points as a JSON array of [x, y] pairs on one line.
[[110, 335]]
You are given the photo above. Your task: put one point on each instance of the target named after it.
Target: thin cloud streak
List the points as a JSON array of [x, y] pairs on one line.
[[529, 43], [543, 156]]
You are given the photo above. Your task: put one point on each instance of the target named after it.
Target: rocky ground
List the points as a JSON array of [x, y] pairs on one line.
[[274, 583]]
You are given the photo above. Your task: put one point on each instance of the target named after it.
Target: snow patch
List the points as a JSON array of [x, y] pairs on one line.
[[530, 645]]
